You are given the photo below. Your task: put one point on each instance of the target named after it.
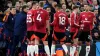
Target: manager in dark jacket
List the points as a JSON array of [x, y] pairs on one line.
[[20, 30]]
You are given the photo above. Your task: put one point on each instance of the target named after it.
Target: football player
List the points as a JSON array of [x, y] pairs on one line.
[[41, 23], [87, 19], [30, 27], [59, 25]]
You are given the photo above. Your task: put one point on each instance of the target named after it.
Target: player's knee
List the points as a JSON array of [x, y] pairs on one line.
[[61, 42], [45, 42]]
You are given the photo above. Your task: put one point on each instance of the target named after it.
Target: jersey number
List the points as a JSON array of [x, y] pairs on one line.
[[38, 18], [29, 19], [62, 20]]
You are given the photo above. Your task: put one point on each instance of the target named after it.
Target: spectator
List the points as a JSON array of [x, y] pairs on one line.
[[74, 1], [90, 1], [9, 4], [96, 34], [70, 5], [95, 4], [52, 4], [82, 8], [96, 12], [98, 20], [22, 2], [29, 4], [84, 2], [64, 7], [17, 6], [98, 2], [53, 7], [62, 1]]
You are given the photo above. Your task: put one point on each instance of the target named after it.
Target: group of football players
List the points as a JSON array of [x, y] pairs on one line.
[[38, 29]]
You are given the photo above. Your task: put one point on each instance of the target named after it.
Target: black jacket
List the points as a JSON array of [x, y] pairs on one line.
[[20, 23]]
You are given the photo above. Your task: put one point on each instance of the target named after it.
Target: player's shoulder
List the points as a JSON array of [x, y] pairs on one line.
[[56, 13], [63, 13], [30, 11], [82, 12], [44, 11], [72, 13], [91, 12]]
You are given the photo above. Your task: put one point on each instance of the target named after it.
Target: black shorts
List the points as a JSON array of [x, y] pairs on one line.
[[41, 35], [84, 36], [59, 35], [75, 35], [29, 34]]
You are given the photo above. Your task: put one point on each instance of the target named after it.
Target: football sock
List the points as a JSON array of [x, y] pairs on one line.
[[46, 47], [72, 50], [32, 48], [36, 49], [65, 48], [52, 49]]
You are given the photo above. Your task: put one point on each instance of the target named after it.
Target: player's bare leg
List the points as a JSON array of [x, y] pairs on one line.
[[46, 47], [75, 40], [72, 50], [79, 47], [53, 48], [36, 47], [64, 45], [32, 48]]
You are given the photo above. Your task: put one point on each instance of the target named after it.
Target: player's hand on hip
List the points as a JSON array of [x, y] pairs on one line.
[[81, 27], [48, 32]]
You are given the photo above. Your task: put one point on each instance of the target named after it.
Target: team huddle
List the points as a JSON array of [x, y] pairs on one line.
[[38, 29]]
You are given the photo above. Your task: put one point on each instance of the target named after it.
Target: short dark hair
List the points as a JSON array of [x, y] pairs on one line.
[[34, 2], [23, 7], [59, 6], [41, 4], [9, 2], [47, 7], [75, 7], [12, 7]]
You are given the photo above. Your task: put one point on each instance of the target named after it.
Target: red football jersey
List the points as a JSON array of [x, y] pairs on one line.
[[30, 23], [60, 21], [86, 19], [74, 22], [40, 17]]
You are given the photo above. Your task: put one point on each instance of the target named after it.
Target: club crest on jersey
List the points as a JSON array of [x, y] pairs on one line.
[[89, 15], [86, 19], [83, 15]]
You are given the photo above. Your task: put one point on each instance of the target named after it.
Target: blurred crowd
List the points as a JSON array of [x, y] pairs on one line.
[[49, 5]]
